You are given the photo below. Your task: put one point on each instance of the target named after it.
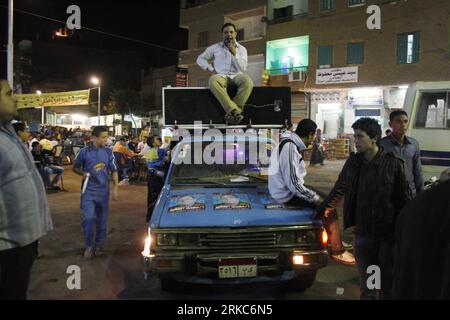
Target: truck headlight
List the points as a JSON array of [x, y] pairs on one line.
[[286, 237], [306, 236], [166, 239], [148, 246]]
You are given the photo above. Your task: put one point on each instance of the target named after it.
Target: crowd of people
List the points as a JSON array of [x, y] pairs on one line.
[[43, 147]]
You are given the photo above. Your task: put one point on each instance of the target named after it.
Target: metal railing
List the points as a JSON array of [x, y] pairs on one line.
[[281, 71], [288, 18]]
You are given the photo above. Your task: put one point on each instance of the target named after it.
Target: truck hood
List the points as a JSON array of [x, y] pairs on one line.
[[228, 208]]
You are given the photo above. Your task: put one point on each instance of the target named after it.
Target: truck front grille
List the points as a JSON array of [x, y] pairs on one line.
[[230, 241]]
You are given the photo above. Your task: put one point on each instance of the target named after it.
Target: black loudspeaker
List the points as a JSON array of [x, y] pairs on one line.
[[269, 106]]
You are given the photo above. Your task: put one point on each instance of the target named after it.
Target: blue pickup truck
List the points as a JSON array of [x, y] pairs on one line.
[[216, 222]]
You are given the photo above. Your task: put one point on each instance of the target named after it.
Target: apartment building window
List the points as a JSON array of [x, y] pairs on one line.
[[240, 35], [325, 55], [203, 39], [283, 13], [326, 5], [355, 53], [352, 3], [408, 45]]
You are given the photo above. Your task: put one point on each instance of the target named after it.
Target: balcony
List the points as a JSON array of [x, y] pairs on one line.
[[286, 18], [284, 71]]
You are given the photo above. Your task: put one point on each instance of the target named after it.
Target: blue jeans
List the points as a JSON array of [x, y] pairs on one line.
[[51, 169], [95, 219], [369, 252]]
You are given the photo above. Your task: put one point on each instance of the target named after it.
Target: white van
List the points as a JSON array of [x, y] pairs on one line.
[[428, 107]]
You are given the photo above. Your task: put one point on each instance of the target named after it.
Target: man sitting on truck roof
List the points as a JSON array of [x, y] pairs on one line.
[[230, 63]]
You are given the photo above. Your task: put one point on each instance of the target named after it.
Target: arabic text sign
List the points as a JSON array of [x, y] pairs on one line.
[[59, 99], [337, 75]]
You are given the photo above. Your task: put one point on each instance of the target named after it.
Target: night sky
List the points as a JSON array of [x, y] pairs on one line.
[[150, 21]]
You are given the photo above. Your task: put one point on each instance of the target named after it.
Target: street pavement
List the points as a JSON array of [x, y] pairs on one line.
[[118, 275]]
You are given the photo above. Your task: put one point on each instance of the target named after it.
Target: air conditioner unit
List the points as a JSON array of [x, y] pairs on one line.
[[296, 76]]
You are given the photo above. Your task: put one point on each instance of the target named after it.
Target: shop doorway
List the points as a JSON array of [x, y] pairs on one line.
[[331, 125]]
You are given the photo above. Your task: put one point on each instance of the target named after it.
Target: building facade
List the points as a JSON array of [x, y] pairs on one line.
[[346, 70], [338, 68]]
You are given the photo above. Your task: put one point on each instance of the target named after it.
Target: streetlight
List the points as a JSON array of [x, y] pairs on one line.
[[96, 82], [39, 93]]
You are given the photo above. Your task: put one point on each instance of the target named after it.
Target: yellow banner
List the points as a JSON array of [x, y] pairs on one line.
[[59, 99]]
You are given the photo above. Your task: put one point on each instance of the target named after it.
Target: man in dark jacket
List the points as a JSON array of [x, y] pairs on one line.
[[422, 248], [376, 189]]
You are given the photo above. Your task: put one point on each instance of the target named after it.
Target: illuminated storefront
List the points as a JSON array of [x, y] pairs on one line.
[[335, 111], [286, 55]]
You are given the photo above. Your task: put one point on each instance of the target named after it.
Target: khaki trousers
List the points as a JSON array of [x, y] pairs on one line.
[[218, 85]]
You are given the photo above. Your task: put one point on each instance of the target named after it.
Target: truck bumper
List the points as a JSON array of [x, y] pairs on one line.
[[203, 268]]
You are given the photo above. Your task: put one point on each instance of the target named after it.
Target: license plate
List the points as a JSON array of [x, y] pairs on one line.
[[237, 268]]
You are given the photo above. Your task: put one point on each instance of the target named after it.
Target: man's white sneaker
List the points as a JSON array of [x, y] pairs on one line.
[[346, 258], [124, 182]]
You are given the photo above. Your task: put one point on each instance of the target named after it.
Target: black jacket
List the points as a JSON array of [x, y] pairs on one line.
[[375, 192], [422, 249]]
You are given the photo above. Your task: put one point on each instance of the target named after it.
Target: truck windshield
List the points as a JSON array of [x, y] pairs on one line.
[[228, 164]]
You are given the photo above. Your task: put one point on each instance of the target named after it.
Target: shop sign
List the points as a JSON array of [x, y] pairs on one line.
[[366, 97], [337, 75]]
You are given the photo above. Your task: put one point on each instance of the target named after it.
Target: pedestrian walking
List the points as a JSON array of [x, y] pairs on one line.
[[96, 164]]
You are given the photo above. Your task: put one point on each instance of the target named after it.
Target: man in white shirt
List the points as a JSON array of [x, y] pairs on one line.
[[230, 63], [30, 143], [141, 145]]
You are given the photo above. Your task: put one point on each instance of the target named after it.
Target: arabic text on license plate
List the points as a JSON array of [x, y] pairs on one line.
[[237, 268]]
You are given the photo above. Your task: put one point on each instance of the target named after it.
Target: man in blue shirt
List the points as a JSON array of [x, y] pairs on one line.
[[406, 148], [95, 163]]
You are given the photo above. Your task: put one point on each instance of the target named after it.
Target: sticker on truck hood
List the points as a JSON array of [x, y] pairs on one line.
[[231, 201], [270, 203], [194, 202]]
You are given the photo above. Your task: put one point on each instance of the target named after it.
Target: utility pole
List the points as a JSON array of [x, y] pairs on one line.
[[11, 44]]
